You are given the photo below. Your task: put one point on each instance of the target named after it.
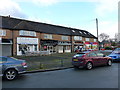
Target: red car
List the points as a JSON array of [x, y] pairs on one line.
[[89, 59]]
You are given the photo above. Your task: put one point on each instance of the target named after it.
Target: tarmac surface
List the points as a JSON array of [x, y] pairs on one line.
[[99, 77]]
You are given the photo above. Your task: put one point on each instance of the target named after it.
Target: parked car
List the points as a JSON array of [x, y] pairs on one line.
[[115, 55], [89, 59], [11, 67]]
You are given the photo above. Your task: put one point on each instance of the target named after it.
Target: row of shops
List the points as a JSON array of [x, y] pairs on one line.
[[25, 44]]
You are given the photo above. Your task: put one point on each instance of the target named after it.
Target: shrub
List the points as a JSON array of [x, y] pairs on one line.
[[108, 48]]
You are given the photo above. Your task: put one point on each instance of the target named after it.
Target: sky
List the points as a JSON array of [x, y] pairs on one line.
[[80, 14]]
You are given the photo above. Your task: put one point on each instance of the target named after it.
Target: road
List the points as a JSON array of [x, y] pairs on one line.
[[99, 77]]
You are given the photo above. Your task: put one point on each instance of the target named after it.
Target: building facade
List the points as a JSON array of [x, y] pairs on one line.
[[18, 36]]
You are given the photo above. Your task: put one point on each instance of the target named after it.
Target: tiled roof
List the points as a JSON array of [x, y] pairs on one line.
[[20, 24]]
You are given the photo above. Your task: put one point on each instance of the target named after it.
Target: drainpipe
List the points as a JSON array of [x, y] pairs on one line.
[[12, 42], [71, 42]]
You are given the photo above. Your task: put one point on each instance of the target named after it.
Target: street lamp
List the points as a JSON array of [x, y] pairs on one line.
[[97, 31]]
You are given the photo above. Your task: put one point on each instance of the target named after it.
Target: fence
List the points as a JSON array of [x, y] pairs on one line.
[[49, 64], [34, 53]]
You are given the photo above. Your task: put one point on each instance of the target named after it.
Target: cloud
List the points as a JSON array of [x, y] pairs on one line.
[[9, 7], [109, 28], [105, 7], [45, 2]]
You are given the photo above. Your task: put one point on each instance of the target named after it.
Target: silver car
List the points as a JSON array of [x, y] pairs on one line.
[[11, 67]]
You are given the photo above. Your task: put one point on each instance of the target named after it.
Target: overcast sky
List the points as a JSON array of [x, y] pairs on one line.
[[79, 14]]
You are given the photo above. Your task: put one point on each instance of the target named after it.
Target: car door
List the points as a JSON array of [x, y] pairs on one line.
[[101, 58], [2, 63], [94, 58]]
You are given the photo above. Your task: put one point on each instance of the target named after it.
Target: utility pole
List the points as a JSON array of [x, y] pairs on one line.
[[97, 31]]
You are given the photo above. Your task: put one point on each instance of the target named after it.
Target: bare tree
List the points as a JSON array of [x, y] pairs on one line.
[[103, 37], [116, 37]]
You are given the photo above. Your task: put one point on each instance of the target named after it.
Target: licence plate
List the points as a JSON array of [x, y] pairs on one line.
[[75, 59]]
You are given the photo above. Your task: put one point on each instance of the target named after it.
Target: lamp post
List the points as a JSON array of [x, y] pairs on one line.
[[97, 31]]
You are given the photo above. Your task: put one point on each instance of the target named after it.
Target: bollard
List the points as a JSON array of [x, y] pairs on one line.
[[41, 65]]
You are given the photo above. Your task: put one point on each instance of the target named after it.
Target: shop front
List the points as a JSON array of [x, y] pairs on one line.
[[49, 45], [64, 47], [5, 47], [91, 45], [26, 45], [95, 45], [79, 46]]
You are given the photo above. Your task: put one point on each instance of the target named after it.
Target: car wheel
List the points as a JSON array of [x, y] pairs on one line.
[[10, 74], [109, 63], [89, 66]]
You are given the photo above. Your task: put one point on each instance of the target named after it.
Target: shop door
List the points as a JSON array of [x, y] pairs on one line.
[[6, 50], [50, 48], [60, 49], [64, 48], [31, 48]]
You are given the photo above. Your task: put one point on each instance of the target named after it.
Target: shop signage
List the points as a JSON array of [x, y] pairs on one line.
[[91, 43], [78, 43], [64, 43], [49, 42], [95, 43], [27, 33], [24, 40]]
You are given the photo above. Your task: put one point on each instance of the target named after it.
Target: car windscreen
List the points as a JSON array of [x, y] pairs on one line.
[[116, 51], [86, 51], [79, 55], [13, 58]]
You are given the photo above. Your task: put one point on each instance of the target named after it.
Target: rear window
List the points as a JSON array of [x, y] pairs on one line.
[[117, 51], [79, 55]]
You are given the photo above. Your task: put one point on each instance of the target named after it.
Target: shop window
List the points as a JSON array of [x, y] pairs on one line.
[[2, 32], [20, 48], [27, 33], [64, 37], [48, 36], [35, 47], [67, 47], [44, 47]]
